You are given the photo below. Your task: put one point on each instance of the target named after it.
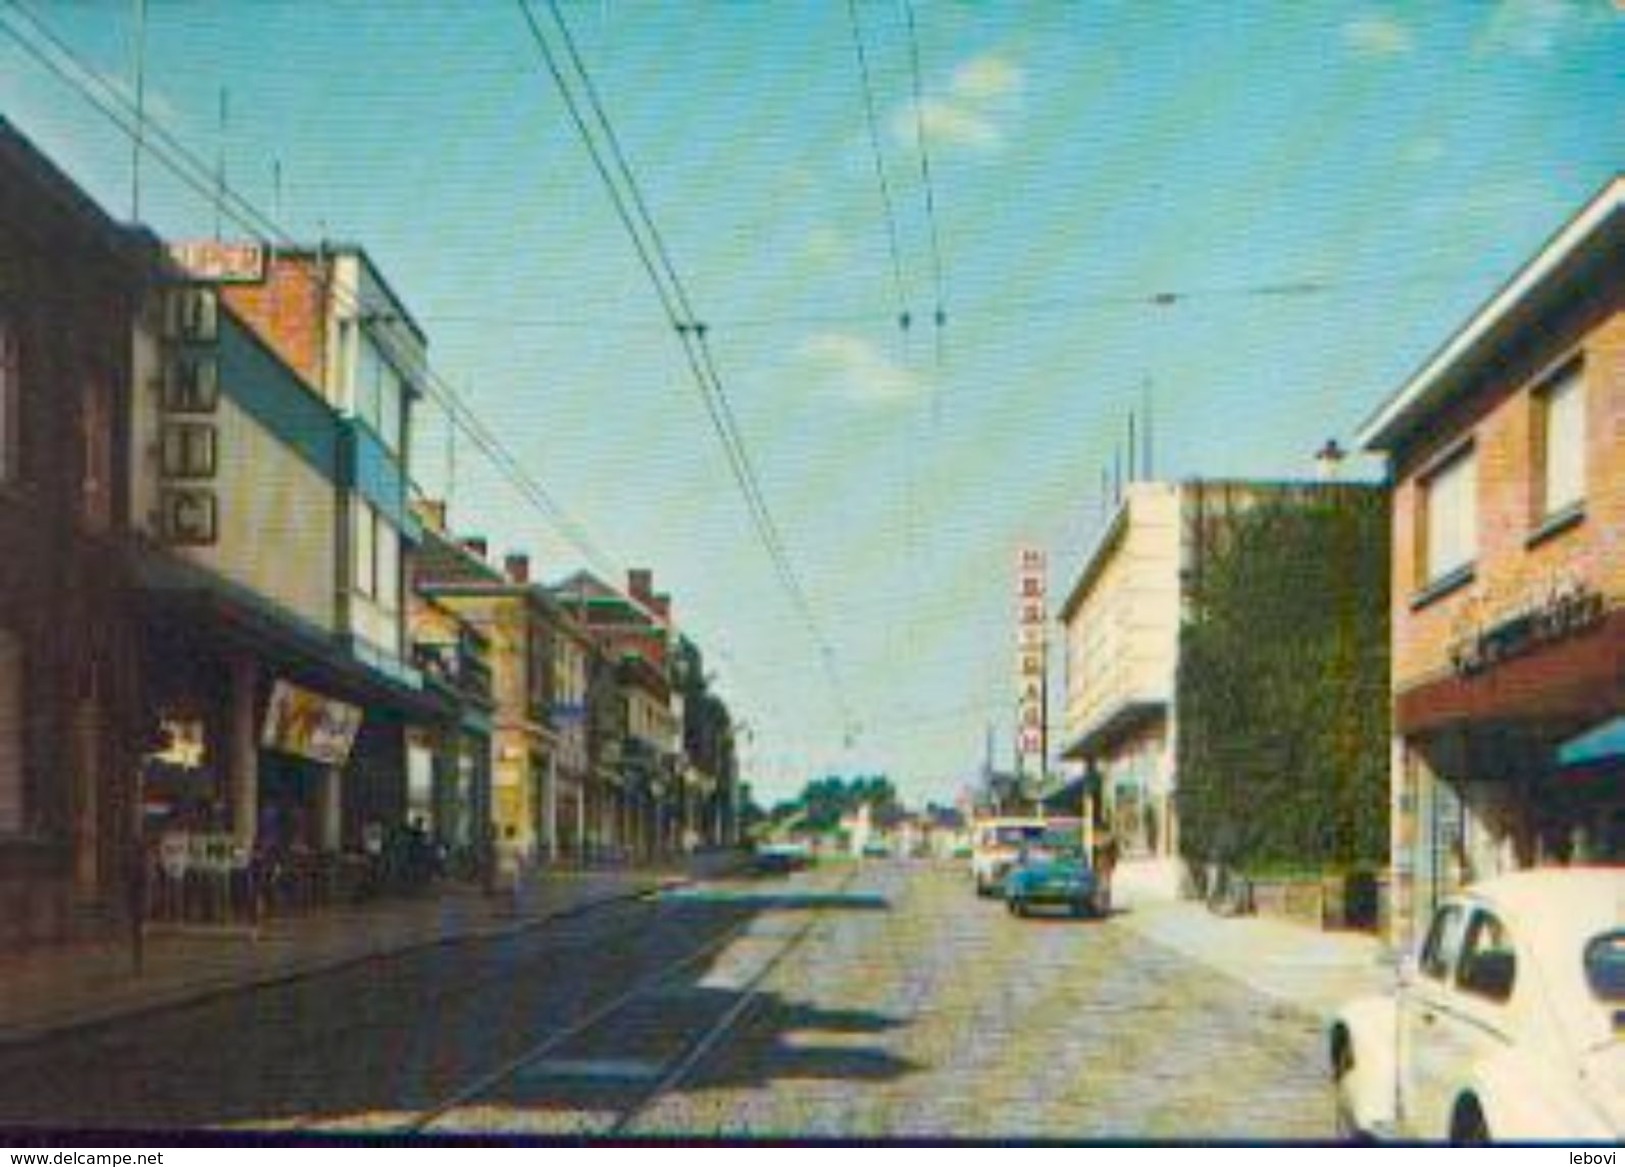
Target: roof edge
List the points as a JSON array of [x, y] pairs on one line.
[[1380, 432]]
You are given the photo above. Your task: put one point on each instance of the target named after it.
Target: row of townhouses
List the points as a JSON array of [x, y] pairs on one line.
[[1505, 541], [241, 663]]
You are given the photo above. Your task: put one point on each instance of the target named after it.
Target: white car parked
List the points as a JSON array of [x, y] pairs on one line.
[[1509, 1024], [996, 846]]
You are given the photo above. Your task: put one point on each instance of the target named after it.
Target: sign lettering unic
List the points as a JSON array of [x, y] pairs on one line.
[[1479, 644], [188, 437]]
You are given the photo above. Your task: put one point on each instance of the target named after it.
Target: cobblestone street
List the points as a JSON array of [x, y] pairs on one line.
[[881, 1001]]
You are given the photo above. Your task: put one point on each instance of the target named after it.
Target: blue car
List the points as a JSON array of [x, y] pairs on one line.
[[1057, 877]]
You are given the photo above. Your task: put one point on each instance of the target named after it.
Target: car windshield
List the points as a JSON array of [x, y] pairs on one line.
[[1605, 967], [1016, 836], [1056, 853]]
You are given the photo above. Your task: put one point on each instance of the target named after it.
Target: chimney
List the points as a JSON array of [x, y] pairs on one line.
[[640, 582], [431, 512], [475, 545], [517, 566]]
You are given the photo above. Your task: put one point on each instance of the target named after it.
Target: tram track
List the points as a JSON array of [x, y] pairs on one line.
[[677, 1070]]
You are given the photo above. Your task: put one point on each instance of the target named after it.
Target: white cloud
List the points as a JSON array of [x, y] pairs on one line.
[[1371, 35], [826, 246], [980, 100], [859, 370], [987, 78], [1536, 28], [947, 122], [1423, 151]]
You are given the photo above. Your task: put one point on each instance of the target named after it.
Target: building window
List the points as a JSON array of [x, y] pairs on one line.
[[387, 542], [364, 548], [10, 402], [348, 375], [1449, 527], [375, 556], [378, 394], [388, 423], [1560, 410]]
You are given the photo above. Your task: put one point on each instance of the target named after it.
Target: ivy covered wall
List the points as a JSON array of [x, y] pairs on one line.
[[1283, 685]]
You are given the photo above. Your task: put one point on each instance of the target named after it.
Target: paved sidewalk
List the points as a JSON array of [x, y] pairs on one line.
[[1315, 971], [51, 990]]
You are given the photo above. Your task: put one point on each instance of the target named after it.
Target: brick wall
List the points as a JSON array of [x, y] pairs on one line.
[[1501, 418], [288, 311]]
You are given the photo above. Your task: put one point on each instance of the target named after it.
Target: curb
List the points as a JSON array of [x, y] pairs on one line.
[[1311, 1008], [205, 991]]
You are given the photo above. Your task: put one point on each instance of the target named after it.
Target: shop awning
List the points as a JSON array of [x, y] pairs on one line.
[[1602, 743], [1122, 721], [187, 606]]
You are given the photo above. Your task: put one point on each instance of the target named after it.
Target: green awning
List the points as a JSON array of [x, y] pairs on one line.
[[1601, 743]]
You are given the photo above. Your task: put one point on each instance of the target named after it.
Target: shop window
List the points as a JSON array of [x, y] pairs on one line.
[[1449, 519], [10, 402], [11, 733], [1560, 424]]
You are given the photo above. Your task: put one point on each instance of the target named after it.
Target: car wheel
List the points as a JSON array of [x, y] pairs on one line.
[[1021, 907], [1468, 1128]]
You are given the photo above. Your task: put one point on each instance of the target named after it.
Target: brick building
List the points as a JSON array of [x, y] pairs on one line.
[[1509, 576], [71, 284]]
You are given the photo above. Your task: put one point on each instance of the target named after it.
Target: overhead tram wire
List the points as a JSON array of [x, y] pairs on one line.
[[648, 243], [676, 310], [904, 316], [692, 332], [198, 175], [939, 279], [1007, 308]]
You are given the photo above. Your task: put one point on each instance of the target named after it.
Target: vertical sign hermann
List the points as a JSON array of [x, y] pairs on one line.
[[1031, 664]]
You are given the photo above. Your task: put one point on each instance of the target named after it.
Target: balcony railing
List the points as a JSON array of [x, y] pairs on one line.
[[454, 666]]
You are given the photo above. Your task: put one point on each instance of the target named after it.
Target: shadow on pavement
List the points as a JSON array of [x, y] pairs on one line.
[[372, 1045]]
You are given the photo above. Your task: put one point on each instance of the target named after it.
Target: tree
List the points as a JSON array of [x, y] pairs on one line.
[[751, 815], [824, 801], [1283, 689]]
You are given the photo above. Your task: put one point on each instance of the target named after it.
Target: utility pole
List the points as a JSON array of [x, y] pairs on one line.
[[138, 139]]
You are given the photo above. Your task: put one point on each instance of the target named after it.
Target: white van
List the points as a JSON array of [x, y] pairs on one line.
[[996, 845]]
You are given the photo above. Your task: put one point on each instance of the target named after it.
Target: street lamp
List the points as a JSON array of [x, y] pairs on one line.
[[1329, 461]]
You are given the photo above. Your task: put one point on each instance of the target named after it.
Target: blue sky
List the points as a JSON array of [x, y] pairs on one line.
[[1086, 158]]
